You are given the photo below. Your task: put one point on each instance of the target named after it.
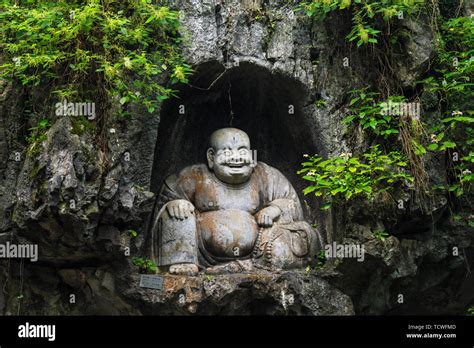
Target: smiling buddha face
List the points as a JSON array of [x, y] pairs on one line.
[[229, 156]]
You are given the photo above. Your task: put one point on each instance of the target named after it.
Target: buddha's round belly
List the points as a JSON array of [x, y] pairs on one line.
[[228, 233]]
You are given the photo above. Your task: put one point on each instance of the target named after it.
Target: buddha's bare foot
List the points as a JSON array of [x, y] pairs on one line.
[[184, 269], [232, 267]]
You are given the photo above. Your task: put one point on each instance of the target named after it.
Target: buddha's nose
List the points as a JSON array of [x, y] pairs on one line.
[[235, 157]]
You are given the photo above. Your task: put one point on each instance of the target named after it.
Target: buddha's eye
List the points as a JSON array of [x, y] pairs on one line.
[[243, 152], [227, 153]]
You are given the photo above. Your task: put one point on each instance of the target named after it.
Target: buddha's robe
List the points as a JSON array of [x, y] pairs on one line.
[[223, 227]]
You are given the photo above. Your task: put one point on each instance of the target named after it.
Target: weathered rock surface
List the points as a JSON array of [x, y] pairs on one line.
[[263, 293], [254, 61]]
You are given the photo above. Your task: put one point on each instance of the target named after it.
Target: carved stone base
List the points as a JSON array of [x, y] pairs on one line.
[[257, 293]]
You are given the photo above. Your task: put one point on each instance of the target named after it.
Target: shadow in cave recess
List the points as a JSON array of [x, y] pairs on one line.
[[247, 96]]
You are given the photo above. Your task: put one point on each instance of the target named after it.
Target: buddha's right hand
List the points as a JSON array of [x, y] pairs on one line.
[[180, 209]]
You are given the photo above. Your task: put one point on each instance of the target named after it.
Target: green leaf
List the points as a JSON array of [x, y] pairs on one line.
[[354, 100], [43, 123], [325, 206], [449, 144], [418, 148]]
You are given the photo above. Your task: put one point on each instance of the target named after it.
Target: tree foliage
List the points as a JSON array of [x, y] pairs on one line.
[[87, 48]]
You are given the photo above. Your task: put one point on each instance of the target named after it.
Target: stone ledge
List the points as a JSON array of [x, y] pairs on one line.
[[258, 293]]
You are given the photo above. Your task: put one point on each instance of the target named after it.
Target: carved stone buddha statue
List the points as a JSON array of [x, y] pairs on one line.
[[230, 215]]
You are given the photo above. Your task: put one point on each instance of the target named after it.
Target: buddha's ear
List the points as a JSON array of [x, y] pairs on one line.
[[210, 157]]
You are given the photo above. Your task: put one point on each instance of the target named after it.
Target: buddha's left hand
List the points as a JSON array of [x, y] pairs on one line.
[[267, 216]]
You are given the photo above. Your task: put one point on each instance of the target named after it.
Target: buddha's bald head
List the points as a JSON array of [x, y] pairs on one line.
[[224, 137], [229, 155]]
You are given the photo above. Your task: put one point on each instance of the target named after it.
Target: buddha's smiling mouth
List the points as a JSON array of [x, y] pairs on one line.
[[235, 165]]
